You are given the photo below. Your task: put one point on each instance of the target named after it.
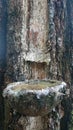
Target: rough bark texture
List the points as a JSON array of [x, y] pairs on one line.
[[26, 36], [42, 30], [3, 21], [56, 36]]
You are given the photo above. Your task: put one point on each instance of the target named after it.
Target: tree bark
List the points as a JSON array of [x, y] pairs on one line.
[[35, 42], [3, 21]]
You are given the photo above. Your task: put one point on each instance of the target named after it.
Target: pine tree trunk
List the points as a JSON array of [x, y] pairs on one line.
[[35, 42]]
